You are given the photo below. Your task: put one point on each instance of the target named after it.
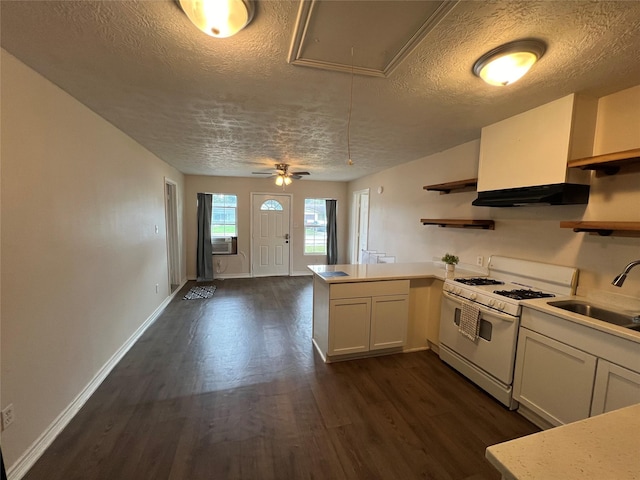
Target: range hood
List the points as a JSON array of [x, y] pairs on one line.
[[523, 159], [554, 194]]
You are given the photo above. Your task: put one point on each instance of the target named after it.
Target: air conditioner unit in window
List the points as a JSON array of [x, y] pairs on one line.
[[222, 246]]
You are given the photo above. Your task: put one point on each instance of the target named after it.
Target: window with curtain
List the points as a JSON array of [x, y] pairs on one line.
[[224, 216], [315, 226]]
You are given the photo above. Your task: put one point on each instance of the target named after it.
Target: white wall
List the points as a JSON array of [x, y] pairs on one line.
[[239, 265], [527, 232], [80, 256]]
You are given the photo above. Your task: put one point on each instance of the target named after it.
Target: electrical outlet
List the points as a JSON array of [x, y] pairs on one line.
[[7, 416], [479, 260]]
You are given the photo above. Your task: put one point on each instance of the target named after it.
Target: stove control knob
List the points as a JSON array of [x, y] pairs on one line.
[[446, 287], [473, 296], [492, 302], [458, 291], [501, 305]]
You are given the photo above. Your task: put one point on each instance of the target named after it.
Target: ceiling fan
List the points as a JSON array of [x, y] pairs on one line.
[[282, 174]]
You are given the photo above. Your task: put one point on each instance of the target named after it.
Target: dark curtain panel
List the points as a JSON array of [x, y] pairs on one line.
[[332, 234], [205, 260]]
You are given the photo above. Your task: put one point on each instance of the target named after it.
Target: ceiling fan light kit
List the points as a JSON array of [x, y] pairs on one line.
[[507, 63], [219, 18]]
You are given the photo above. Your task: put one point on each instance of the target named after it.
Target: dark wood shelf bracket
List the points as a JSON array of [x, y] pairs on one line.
[[453, 187], [458, 223], [605, 229], [609, 163]]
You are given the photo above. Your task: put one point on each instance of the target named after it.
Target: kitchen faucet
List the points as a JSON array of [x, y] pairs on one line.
[[619, 280]]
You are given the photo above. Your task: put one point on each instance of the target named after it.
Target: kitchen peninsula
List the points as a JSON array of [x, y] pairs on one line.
[[602, 447], [373, 309]]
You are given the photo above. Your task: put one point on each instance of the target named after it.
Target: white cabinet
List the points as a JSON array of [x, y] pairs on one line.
[[389, 316], [553, 379], [356, 318], [349, 325], [615, 387], [566, 371]]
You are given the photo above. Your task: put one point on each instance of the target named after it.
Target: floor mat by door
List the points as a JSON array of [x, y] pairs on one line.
[[200, 292]]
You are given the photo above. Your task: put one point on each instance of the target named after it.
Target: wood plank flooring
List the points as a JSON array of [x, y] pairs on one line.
[[231, 388]]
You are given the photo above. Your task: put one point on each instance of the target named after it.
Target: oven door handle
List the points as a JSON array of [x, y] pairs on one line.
[[488, 311]]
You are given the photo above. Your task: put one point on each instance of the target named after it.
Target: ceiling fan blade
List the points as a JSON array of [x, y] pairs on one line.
[[295, 177], [300, 173], [261, 173]]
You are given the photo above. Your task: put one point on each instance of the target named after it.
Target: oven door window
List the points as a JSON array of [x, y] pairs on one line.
[[486, 328]]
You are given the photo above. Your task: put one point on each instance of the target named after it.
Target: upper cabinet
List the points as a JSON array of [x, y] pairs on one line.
[[533, 148]]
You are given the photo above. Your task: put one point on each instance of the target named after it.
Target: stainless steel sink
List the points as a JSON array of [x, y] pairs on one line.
[[588, 310]]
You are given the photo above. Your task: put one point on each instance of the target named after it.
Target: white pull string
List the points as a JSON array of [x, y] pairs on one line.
[[349, 161]]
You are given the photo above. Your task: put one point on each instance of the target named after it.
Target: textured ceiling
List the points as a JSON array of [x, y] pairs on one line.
[[232, 106]]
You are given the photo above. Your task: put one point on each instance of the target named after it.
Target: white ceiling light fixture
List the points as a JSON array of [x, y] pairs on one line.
[[509, 62], [219, 18]]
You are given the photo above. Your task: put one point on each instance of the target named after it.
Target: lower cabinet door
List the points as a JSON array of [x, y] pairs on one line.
[[553, 379], [615, 387], [389, 318], [349, 325]]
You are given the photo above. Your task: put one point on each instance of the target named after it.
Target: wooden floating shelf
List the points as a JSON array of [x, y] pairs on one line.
[[605, 229], [609, 163], [457, 223], [458, 186]]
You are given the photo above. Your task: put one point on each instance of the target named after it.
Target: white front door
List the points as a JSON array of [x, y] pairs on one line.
[[271, 235]]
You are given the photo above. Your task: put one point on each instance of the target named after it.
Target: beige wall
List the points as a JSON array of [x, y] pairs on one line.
[[527, 232], [239, 265], [80, 256]]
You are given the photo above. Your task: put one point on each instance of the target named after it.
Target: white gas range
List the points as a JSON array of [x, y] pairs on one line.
[[487, 357]]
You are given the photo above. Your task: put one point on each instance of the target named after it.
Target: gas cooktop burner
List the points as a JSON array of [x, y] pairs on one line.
[[479, 281], [523, 294]]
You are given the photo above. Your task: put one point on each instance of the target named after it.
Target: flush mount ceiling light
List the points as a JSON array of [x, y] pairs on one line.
[[219, 18], [509, 62]]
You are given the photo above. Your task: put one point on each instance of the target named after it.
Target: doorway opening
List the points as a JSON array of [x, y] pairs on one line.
[[361, 224], [171, 221]]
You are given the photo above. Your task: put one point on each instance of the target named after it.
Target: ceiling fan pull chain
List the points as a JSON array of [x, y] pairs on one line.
[[349, 161]]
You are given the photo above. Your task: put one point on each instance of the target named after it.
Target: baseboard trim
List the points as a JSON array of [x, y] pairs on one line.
[[303, 273], [415, 349], [20, 468], [224, 276]]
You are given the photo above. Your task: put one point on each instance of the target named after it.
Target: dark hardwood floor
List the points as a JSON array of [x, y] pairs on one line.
[[231, 388]]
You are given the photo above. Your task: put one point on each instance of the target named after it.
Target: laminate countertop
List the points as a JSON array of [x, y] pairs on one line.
[[604, 447], [385, 271]]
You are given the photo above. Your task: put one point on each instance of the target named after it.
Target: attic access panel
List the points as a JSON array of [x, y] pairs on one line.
[[382, 33]]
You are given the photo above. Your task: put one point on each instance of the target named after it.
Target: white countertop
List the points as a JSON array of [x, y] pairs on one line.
[[386, 271], [541, 305], [604, 447]]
